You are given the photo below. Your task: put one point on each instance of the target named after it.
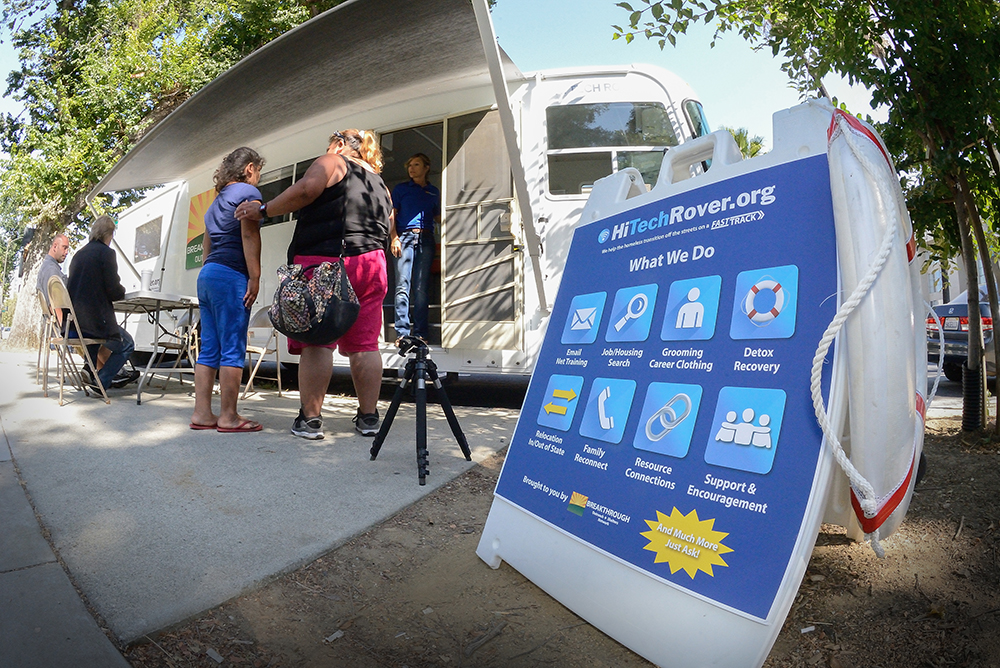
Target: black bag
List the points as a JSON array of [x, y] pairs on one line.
[[318, 310]]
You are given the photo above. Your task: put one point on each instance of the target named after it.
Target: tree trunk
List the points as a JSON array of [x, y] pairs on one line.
[[971, 403], [989, 273], [24, 327]]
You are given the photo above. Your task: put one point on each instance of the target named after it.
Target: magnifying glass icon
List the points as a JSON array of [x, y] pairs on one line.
[[636, 307]]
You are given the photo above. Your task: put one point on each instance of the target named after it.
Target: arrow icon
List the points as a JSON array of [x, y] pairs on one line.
[[568, 395], [553, 408]]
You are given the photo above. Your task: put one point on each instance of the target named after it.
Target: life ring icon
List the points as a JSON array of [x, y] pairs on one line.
[[763, 317]]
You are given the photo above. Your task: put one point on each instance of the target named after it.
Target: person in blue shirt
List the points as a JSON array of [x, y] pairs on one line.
[[416, 206], [227, 287]]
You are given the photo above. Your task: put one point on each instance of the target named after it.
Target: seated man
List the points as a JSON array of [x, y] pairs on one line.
[[94, 286], [52, 263]]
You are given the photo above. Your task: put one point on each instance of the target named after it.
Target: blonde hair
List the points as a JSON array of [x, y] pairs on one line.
[[363, 144]]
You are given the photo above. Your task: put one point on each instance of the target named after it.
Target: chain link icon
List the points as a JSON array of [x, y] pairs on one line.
[[669, 417]]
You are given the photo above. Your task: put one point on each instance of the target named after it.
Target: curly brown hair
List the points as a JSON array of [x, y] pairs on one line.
[[233, 167]]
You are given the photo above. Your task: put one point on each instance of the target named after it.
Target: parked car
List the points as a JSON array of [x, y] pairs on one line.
[[953, 319]]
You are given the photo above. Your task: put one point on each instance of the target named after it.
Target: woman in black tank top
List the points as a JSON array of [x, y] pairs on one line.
[[344, 209]]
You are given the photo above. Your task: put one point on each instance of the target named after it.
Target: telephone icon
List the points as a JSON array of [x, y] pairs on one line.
[[607, 408], [606, 421]]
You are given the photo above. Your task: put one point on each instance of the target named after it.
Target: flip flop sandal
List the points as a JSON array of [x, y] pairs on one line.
[[244, 427]]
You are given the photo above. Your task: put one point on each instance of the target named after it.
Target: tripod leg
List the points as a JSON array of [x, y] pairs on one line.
[[391, 413], [449, 412], [421, 390]]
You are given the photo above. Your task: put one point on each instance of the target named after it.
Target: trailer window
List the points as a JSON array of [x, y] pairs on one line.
[[632, 134], [696, 118], [272, 184], [647, 162], [147, 240]]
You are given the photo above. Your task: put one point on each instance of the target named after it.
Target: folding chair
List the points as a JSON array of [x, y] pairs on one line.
[[262, 340], [183, 342], [66, 344], [44, 334]]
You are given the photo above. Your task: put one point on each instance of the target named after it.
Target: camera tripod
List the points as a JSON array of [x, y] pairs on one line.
[[419, 369]]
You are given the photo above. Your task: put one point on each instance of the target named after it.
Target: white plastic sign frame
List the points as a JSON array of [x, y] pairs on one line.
[[666, 479]]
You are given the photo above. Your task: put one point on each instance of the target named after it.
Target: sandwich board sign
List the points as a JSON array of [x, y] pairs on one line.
[[666, 475]]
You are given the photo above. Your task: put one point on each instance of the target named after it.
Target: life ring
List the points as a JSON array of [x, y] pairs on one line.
[[764, 317]]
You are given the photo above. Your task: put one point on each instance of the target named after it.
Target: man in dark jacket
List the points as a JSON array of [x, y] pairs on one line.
[[94, 286]]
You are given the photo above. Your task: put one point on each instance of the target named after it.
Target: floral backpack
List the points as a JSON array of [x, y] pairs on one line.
[[318, 309]]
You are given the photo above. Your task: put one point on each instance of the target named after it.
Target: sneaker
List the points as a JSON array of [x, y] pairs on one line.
[[124, 378], [88, 381], [366, 423], [311, 428]]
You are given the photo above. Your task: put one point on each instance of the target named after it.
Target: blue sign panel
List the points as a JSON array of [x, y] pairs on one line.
[[669, 421]]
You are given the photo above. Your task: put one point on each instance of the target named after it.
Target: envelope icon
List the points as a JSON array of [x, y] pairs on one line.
[[583, 318]]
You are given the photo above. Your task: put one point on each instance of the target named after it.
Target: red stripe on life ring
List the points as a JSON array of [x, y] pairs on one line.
[[754, 289], [911, 248], [775, 312], [869, 524], [753, 313], [860, 127]]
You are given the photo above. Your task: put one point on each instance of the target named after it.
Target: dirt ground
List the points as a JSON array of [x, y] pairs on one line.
[[412, 592]]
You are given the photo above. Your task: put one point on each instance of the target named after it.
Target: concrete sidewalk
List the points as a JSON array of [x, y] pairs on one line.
[[155, 522]]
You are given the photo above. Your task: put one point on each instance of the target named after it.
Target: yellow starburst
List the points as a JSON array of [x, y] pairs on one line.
[[683, 541], [196, 214], [196, 229]]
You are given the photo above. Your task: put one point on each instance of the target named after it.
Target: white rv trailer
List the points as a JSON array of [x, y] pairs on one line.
[[514, 177]]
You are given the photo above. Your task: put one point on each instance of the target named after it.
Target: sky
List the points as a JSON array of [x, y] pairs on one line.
[[737, 86]]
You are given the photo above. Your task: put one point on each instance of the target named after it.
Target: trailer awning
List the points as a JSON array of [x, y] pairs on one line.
[[356, 56]]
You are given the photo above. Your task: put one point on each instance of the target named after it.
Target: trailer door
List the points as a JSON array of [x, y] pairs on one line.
[[480, 263]]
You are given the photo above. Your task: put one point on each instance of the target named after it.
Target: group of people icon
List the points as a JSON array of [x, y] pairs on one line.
[[746, 432]]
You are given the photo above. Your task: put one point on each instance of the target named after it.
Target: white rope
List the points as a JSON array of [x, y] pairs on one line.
[[863, 489], [940, 362]]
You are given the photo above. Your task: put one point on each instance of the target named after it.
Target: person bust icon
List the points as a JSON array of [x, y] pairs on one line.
[[727, 430], [745, 430], [762, 435], [692, 313]]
